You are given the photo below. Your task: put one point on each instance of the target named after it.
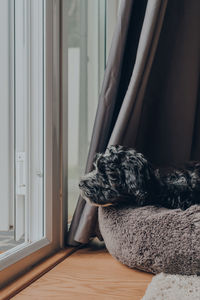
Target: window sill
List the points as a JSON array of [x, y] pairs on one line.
[[36, 272]]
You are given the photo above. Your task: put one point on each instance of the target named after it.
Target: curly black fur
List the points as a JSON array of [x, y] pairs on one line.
[[123, 175]]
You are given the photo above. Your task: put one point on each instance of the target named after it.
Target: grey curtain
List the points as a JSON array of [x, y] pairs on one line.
[[150, 98]]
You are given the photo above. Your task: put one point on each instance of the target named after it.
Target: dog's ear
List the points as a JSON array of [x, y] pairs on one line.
[[138, 173]]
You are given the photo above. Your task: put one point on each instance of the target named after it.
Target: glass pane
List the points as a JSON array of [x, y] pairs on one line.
[[7, 127], [85, 23], [21, 117]]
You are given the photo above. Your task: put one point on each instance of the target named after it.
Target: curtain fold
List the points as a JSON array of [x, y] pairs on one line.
[[150, 94], [132, 104]]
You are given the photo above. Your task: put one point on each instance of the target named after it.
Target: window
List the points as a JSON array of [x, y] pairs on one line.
[[30, 200], [88, 26]]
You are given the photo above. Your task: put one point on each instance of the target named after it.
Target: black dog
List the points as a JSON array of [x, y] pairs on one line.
[[123, 175]]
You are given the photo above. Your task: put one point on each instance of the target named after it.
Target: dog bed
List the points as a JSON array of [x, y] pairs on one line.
[[153, 239]]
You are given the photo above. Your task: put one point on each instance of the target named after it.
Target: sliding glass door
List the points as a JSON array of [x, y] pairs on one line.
[[29, 120], [7, 125], [30, 202], [22, 122]]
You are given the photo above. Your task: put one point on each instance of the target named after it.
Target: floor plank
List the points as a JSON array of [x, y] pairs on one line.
[[88, 274]]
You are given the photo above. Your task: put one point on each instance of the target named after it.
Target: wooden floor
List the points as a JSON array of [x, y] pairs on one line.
[[88, 274]]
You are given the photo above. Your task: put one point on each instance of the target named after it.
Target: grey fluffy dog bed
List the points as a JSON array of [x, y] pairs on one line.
[[153, 239]]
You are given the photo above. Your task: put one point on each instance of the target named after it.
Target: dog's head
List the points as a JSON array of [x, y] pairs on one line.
[[119, 173]]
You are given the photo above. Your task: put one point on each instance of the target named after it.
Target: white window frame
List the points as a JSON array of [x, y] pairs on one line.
[[26, 255]]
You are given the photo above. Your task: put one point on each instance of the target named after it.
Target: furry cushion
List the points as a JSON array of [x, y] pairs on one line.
[[153, 239]]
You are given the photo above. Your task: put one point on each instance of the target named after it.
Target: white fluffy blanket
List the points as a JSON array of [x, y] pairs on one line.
[[173, 287]]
